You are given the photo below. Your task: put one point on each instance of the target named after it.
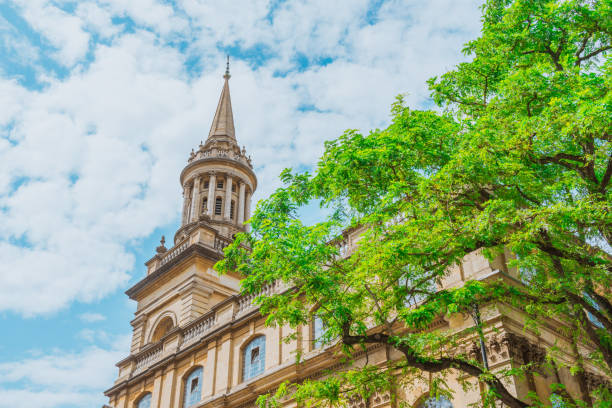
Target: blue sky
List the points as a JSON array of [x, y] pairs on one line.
[[101, 102]]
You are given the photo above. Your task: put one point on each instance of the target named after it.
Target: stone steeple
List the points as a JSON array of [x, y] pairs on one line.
[[218, 181], [223, 122]]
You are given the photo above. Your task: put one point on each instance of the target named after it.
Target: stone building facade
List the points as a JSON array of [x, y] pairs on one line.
[[198, 343]]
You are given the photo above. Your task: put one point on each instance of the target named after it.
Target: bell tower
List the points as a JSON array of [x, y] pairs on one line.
[[218, 181], [181, 285]]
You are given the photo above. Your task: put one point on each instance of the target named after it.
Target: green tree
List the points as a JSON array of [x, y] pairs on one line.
[[519, 158]]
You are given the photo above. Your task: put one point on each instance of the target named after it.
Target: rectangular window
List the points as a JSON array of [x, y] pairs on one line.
[[219, 184], [318, 329], [218, 205], [206, 184], [232, 210], [233, 187], [204, 204], [255, 355]]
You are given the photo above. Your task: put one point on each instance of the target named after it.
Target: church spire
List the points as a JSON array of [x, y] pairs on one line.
[[223, 122]]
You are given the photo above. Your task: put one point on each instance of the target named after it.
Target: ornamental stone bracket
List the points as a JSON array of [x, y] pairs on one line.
[[356, 401], [378, 399], [521, 350], [595, 381], [506, 347]]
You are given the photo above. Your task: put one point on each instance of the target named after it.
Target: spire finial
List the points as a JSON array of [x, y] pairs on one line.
[[227, 74], [223, 122]]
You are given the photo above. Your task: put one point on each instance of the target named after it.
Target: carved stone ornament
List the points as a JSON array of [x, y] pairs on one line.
[[161, 249], [356, 402], [595, 381]]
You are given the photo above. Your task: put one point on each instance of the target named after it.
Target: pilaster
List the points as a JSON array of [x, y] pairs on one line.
[[194, 300], [139, 327], [210, 370], [223, 372], [157, 391], [168, 388]]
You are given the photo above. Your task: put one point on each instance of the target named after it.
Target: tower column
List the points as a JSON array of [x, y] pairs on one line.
[[228, 197], [241, 204], [247, 208], [212, 182], [186, 201], [195, 198]]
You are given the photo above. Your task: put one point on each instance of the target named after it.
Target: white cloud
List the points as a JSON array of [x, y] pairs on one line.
[[62, 30], [90, 185], [159, 15], [14, 46], [97, 19], [92, 317], [61, 378], [93, 336], [90, 163]]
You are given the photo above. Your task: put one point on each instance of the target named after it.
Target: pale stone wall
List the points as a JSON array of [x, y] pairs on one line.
[[220, 352], [214, 325]]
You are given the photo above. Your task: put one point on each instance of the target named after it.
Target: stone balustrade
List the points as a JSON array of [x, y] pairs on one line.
[[199, 328], [221, 243], [218, 243], [148, 358], [173, 253], [221, 153], [245, 302]]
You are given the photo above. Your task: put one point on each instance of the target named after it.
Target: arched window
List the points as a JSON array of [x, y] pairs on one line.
[[254, 358], [318, 329], [232, 205], [193, 388], [436, 402], [144, 401], [218, 205], [204, 204], [163, 327]]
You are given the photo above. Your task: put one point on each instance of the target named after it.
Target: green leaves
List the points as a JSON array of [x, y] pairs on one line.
[[518, 166]]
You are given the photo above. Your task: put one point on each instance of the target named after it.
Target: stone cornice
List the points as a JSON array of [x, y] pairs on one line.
[[224, 160], [193, 250]]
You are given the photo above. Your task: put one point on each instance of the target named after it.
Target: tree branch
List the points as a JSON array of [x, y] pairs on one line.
[[594, 53], [603, 185], [592, 334], [433, 365]]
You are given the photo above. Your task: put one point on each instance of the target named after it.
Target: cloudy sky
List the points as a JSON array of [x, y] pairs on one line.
[[102, 100]]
